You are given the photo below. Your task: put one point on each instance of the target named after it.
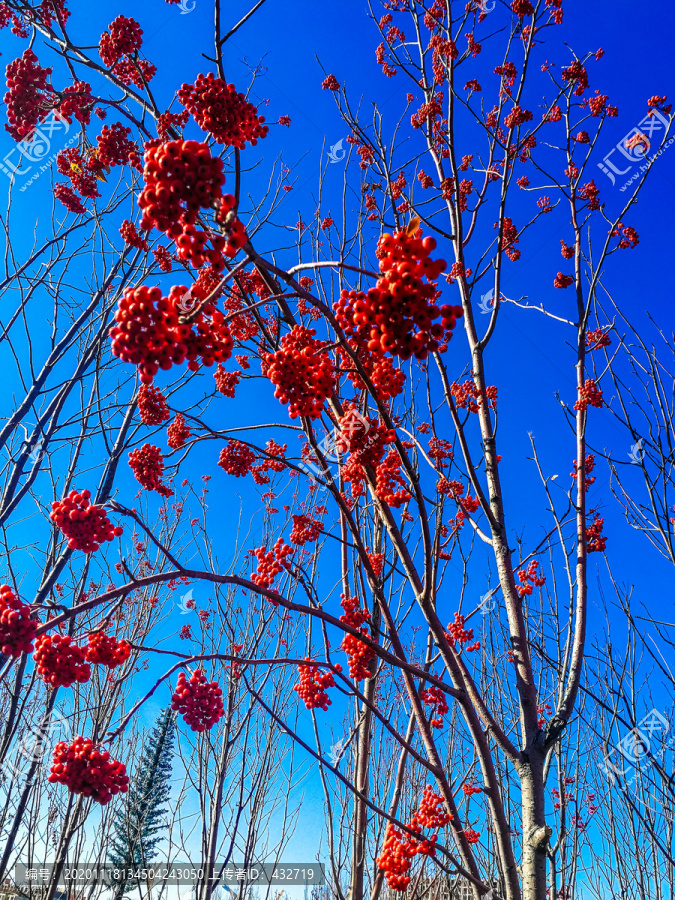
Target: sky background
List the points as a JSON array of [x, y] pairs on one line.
[[297, 44]]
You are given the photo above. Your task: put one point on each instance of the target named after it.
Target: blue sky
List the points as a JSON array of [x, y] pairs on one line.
[[293, 42]]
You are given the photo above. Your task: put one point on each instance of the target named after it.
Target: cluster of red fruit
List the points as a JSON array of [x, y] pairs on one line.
[[149, 333], [178, 432], [85, 770], [28, 97], [595, 539], [399, 310], [105, 650], [457, 632], [60, 662], [589, 395], [528, 578], [305, 530], [114, 146], [387, 381], [131, 237], [236, 459], [118, 48], [360, 655], [85, 526], [226, 382], [180, 178], [270, 564], [199, 701], [218, 108], [148, 467], [17, 629], [312, 687], [304, 377], [435, 697], [152, 406], [396, 854], [587, 479]]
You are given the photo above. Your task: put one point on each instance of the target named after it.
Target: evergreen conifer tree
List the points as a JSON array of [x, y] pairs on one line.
[[139, 822]]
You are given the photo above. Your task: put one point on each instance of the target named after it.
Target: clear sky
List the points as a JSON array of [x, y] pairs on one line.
[[296, 44]]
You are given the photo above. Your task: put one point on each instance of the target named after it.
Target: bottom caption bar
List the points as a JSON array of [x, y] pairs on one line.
[[175, 873]]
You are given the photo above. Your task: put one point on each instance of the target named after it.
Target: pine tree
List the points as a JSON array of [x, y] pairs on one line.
[[137, 825]]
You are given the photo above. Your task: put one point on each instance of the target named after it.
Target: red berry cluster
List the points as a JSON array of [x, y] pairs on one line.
[[596, 542], [435, 697], [114, 147], [77, 102], [69, 198], [59, 661], [178, 432], [305, 530], [28, 97], [152, 405], [597, 339], [236, 459], [17, 629], [471, 836], [227, 115], [134, 71], [148, 468], [360, 655], [105, 650], [387, 381], [85, 770], [304, 377], [85, 526], [123, 38], [270, 564], [162, 258], [400, 309], [234, 229], [312, 687], [131, 237], [191, 247], [226, 382], [396, 854], [388, 476], [562, 281], [589, 395], [199, 701], [82, 173], [528, 578], [180, 178], [457, 632], [589, 465], [149, 333]]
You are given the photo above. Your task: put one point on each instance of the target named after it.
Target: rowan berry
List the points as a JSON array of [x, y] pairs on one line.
[[60, 662], [227, 115], [105, 650], [17, 629], [86, 526], [148, 467], [152, 405], [85, 770], [199, 701], [312, 687]]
